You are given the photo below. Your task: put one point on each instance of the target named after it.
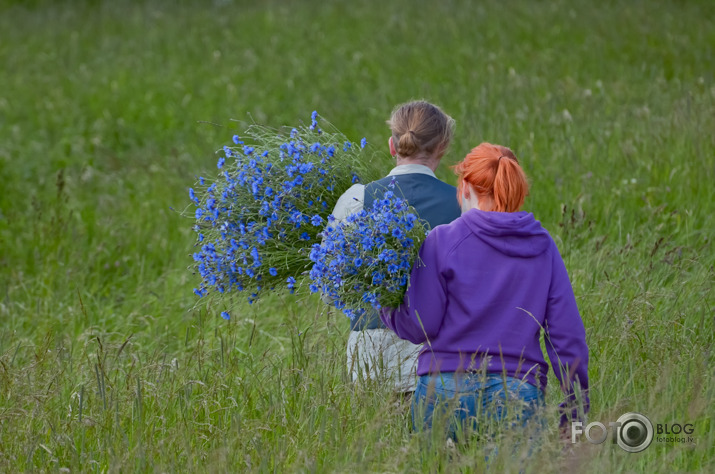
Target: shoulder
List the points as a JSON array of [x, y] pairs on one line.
[[448, 237], [354, 190], [433, 180], [552, 247], [383, 181], [350, 202], [373, 187], [446, 186], [556, 258], [426, 185]]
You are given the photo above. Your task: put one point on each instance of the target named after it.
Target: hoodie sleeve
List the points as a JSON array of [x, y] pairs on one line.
[[566, 340], [420, 316]]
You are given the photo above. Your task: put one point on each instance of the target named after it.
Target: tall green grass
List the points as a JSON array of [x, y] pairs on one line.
[[109, 110]]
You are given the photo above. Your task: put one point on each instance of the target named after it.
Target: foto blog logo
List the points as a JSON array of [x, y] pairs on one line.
[[633, 432]]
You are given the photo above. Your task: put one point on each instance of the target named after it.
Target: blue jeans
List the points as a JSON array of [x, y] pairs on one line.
[[473, 402]]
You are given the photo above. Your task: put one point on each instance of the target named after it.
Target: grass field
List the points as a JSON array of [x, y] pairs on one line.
[[109, 111]]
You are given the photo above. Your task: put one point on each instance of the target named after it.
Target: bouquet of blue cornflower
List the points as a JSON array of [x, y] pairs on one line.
[[365, 261], [258, 218]]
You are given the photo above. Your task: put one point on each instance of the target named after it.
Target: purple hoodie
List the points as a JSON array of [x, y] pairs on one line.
[[488, 283]]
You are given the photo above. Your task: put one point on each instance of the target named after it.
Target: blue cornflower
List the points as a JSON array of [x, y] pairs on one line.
[[367, 242], [220, 163], [316, 253], [386, 255], [295, 217], [377, 277], [225, 315], [257, 202]]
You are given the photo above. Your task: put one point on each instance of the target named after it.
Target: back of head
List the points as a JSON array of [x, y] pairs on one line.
[[494, 171], [420, 130]]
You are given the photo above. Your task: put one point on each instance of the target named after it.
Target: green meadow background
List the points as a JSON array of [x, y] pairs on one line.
[[109, 110]]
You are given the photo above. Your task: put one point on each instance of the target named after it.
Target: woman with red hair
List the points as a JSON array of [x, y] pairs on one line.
[[487, 285]]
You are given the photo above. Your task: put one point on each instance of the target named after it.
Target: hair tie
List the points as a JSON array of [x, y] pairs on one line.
[[500, 159]]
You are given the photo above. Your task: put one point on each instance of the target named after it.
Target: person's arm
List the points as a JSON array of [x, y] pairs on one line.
[[421, 314], [566, 340]]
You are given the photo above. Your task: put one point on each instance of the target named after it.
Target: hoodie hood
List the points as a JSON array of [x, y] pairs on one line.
[[516, 234]]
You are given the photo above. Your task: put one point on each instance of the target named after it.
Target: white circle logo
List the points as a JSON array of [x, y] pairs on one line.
[[635, 432]]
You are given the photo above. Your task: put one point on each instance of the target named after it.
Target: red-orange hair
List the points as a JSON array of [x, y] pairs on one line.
[[494, 171]]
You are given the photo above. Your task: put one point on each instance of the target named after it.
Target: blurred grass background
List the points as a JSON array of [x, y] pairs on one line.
[[109, 111]]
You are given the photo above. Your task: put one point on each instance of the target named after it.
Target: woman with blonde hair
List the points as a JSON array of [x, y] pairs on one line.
[[420, 133], [487, 285]]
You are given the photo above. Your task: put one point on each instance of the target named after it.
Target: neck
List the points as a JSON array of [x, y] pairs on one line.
[[471, 200], [429, 163]]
